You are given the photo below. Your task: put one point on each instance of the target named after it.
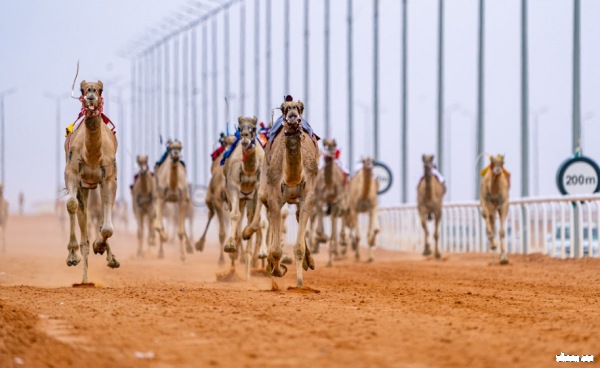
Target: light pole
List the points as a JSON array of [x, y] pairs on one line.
[[587, 116], [448, 111], [440, 87], [536, 151], [480, 102]]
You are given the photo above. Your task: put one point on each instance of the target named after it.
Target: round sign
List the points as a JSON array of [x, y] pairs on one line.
[[579, 175], [199, 195], [382, 173]]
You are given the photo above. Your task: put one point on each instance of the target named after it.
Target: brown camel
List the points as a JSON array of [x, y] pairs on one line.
[[430, 194], [241, 172], [494, 199], [3, 216], [331, 191], [362, 198], [289, 175], [90, 157], [216, 197], [143, 193], [172, 186]]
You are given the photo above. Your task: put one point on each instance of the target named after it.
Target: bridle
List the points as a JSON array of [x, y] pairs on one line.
[[96, 112], [295, 128], [252, 141]]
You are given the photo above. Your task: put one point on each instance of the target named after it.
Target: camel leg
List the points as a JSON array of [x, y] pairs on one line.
[[211, 212], [239, 244], [423, 215], [234, 206], [491, 233], [72, 184], [286, 257], [181, 231], [333, 239], [310, 234], [343, 240], [356, 239], [249, 243], [222, 232], [254, 220], [108, 192], [274, 266], [82, 196], [151, 232], [503, 212], [436, 234], [158, 226], [140, 233], [373, 230], [321, 237], [303, 258], [264, 226]]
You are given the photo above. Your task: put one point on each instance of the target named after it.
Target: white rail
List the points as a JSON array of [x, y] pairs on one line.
[[533, 225]]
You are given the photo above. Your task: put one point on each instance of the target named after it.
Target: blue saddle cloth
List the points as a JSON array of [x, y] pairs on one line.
[[164, 157]]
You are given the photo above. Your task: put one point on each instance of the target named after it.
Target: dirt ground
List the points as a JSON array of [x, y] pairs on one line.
[[401, 310]]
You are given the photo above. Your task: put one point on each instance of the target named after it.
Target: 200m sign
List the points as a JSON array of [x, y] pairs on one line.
[[579, 175]]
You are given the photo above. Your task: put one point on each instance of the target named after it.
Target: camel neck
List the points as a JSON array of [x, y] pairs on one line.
[[250, 163], [329, 174], [495, 184], [293, 160], [173, 175], [428, 186], [144, 183], [93, 140], [367, 175]]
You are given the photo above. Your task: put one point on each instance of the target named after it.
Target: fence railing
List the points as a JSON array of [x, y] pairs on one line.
[[564, 227], [533, 225]]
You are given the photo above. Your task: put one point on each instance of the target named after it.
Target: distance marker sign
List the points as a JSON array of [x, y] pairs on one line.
[[382, 173], [579, 175]]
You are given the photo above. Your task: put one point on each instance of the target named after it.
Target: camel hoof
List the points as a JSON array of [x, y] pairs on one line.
[[287, 260], [151, 242], [321, 238], [438, 256], [188, 248], [242, 260], [284, 268], [371, 259], [355, 246], [75, 263], [427, 252], [308, 262], [229, 247], [114, 264], [262, 255], [315, 249], [200, 245], [344, 249], [99, 247], [504, 261]]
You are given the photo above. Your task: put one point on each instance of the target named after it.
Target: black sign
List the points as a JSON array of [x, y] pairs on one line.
[[578, 175], [382, 173]]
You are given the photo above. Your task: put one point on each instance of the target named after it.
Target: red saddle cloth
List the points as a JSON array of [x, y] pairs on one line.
[[216, 153]]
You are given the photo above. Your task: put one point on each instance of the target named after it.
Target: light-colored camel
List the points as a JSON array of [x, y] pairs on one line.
[[241, 172], [171, 218], [90, 157], [289, 175], [494, 199], [215, 199], [3, 216], [143, 194], [362, 198], [430, 195], [172, 186], [331, 192]]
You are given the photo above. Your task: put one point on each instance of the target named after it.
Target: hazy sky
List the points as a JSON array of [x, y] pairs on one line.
[[40, 42]]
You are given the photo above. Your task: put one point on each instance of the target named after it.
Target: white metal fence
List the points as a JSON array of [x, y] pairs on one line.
[[533, 225]]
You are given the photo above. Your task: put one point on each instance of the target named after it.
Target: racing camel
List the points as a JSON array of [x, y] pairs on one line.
[[3, 216], [430, 194], [215, 197], [288, 175], [172, 186], [241, 169], [362, 198], [143, 193], [494, 199], [90, 157], [331, 191]]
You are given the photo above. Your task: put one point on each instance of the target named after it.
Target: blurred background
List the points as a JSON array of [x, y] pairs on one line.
[[167, 68]]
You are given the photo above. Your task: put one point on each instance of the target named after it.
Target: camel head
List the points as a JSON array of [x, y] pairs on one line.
[[175, 151], [247, 131], [428, 164], [229, 140], [292, 116], [497, 165], [368, 162], [91, 96], [329, 149], [142, 162]]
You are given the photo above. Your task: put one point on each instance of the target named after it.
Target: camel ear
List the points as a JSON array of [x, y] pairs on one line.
[[101, 87], [240, 119], [83, 83], [301, 107], [255, 120], [423, 158]]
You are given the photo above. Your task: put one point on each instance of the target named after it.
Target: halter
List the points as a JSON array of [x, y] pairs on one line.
[[297, 130], [252, 141], [97, 112]]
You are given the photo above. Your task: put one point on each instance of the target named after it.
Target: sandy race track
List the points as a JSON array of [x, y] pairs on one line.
[[401, 310]]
